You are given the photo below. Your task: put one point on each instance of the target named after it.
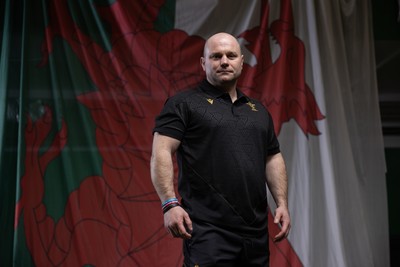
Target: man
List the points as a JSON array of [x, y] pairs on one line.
[[227, 151]]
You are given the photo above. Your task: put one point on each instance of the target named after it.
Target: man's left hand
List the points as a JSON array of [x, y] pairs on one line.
[[282, 217]]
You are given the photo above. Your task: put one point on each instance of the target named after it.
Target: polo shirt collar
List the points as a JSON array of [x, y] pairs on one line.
[[214, 92]]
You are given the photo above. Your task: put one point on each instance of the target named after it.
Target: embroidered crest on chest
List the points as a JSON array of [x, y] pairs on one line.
[[252, 106]]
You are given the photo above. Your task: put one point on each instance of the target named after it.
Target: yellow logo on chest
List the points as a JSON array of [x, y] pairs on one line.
[[211, 101], [252, 105]]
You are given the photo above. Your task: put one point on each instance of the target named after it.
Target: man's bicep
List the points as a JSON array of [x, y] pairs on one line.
[[164, 142], [275, 159]]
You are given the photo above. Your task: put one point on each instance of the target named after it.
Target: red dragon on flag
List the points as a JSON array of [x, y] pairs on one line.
[[115, 219]]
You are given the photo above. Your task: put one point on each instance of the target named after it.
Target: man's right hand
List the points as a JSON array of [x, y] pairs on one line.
[[178, 223]]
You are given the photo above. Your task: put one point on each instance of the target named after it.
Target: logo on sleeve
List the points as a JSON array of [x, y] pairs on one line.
[[211, 101]]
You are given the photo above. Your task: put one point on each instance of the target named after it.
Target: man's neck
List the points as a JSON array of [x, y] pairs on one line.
[[229, 88], [233, 94]]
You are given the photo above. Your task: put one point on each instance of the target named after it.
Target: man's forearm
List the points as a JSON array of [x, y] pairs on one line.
[[277, 180], [162, 175]]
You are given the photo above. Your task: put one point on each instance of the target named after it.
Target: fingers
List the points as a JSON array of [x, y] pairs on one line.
[[279, 237], [185, 228], [188, 224], [283, 218], [175, 232], [283, 233], [178, 223], [179, 231]]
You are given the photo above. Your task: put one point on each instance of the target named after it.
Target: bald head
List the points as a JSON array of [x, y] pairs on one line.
[[222, 61], [221, 37]]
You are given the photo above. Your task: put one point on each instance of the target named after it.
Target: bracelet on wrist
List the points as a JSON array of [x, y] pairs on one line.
[[169, 204], [174, 199], [172, 205]]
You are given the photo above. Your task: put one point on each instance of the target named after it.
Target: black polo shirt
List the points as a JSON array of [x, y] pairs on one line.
[[222, 156]]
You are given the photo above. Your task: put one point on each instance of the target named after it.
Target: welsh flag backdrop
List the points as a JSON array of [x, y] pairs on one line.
[[82, 81]]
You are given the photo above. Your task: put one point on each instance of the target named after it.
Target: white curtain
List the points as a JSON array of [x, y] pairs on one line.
[[343, 214]]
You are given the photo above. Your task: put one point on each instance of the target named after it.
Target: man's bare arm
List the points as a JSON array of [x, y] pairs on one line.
[[161, 165], [176, 220], [277, 182]]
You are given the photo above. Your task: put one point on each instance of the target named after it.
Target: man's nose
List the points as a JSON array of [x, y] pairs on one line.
[[224, 60]]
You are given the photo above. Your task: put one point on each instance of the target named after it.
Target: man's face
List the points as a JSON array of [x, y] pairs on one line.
[[222, 60]]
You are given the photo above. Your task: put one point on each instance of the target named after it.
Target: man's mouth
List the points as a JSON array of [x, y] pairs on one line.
[[224, 71]]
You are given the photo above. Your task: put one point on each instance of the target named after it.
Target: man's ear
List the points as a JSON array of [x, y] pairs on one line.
[[202, 62]]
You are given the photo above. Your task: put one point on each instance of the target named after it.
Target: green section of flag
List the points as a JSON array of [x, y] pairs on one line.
[[86, 17], [166, 17], [56, 85], [79, 158]]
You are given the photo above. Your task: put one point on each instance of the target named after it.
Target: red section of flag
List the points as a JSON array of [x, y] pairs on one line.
[[282, 253], [116, 218], [280, 85]]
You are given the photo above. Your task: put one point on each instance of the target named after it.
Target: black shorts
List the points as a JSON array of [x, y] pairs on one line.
[[214, 246]]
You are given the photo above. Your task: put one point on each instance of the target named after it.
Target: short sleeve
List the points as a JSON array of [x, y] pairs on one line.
[[273, 143], [172, 120]]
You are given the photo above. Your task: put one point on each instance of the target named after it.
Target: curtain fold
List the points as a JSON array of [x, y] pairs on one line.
[[9, 123], [82, 81]]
